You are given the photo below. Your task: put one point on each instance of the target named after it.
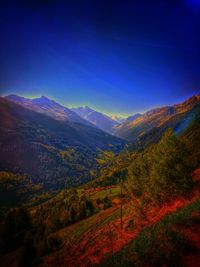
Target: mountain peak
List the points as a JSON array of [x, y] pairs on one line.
[[42, 98], [97, 118], [86, 107], [49, 107], [192, 100], [133, 117], [11, 95], [16, 98]]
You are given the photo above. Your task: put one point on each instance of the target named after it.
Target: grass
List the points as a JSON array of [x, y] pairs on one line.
[[110, 192], [158, 245]]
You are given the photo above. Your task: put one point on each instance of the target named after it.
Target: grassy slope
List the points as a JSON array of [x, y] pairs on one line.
[[111, 192], [88, 242], [162, 243], [150, 126], [98, 240]]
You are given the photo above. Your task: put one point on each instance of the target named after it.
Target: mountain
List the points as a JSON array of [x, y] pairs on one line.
[[100, 120], [154, 122], [49, 107], [51, 153], [118, 119]]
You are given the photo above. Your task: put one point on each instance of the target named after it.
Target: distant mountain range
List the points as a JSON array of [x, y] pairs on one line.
[[132, 129], [100, 120], [83, 115]]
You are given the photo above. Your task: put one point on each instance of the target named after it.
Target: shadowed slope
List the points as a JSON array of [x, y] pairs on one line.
[[52, 152], [48, 107]]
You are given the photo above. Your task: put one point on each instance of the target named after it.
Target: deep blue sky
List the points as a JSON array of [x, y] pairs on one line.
[[117, 56]]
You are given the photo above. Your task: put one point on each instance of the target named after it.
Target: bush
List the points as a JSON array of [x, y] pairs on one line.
[[106, 203]]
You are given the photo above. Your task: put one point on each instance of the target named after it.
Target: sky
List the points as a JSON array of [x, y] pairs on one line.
[[119, 57]]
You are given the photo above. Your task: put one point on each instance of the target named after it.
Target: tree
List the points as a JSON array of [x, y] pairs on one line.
[[17, 223], [110, 165], [161, 171], [170, 173], [107, 203]]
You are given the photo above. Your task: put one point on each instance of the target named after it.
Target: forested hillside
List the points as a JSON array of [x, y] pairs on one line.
[[50, 153]]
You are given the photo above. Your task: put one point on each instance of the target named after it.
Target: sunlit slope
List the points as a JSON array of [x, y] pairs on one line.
[[151, 125]]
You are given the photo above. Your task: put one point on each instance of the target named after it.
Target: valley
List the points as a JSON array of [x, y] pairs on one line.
[[99, 133], [74, 195]]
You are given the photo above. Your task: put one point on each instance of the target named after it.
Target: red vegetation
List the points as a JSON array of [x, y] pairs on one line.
[[94, 244], [196, 175]]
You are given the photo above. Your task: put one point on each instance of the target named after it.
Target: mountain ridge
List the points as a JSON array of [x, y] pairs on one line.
[[49, 107], [154, 119]]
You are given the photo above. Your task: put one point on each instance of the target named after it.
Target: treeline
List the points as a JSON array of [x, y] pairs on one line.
[[22, 235], [29, 230], [66, 208], [16, 189], [18, 233]]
